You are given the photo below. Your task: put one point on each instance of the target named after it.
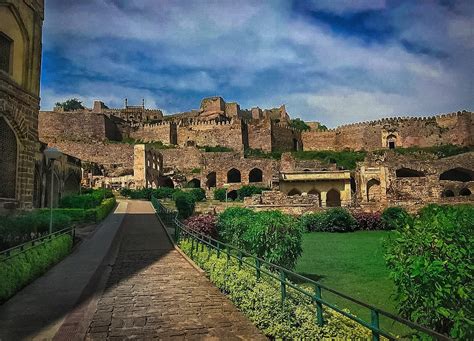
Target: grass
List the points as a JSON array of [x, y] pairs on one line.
[[351, 263]]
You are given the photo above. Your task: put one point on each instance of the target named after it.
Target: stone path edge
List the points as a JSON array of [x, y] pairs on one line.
[[76, 323]]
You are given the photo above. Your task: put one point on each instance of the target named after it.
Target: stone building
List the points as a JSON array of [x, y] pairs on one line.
[[21, 24]]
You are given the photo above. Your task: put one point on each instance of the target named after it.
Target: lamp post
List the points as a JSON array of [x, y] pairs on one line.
[[226, 186], [51, 155]]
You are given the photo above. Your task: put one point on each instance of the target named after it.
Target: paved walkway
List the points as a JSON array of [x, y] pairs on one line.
[[37, 311], [153, 292]]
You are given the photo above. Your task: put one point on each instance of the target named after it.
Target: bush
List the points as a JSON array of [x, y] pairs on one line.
[[104, 209], [199, 194], [185, 204], [368, 221], [219, 194], [271, 235], [332, 220], [23, 268], [248, 191], [163, 192], [260, 301], [431, 265], [85, 201], [204, 223], [395, 217]]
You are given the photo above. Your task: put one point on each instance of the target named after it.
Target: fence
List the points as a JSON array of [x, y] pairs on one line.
[[14, 251], [281, 275]]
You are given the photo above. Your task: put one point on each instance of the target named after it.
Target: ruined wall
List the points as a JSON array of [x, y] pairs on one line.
[[285, 138], [211, 133], [57, 126], [164, 132], [182, 159], [260, 135], [455, 128]]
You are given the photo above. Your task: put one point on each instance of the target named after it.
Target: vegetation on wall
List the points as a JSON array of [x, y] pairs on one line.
[[431, 262], [346, 159], [438, 151], [70, 104], [299, 124]]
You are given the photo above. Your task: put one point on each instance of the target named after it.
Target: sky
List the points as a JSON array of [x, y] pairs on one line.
[[330, 61]]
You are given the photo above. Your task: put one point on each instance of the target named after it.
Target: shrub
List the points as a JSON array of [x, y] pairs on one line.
[[196, 170], [163, 192], [125, 192], [368, 221], [219, 194], [104, 209], [199, 194], [248, 191], [395, 217], [204, 223], [85, 201], [260, 301], [431, 265], [271, 235], [332, 220], [23, 268], [185, 204]]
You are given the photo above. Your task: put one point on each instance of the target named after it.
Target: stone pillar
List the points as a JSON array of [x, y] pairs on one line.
[[323, 199]]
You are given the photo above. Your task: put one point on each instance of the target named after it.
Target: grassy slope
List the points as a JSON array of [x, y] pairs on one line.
[[351, 263]]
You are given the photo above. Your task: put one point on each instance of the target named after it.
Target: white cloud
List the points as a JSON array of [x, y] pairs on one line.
[[346, 6]]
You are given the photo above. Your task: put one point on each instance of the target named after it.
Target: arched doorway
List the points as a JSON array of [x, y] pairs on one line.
[[373, 190], [391, 141], [408, 173], [71, 185], [232, 195], [166, 182], [256, 175], [333, 198], [316, 192], [447, 193], [293, 192], [295, 144], [194, 183], [211, 180], [457, 174], [465, 192], [233, 176], [8, 157]]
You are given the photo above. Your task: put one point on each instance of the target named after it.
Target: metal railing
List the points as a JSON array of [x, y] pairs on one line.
[[281, 275], [18, 249]]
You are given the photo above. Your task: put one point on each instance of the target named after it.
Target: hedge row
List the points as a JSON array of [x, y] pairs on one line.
[[23, 268], [341, 220], [260, 301]]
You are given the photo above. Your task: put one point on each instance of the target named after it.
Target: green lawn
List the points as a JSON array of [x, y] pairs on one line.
[[353, 264]]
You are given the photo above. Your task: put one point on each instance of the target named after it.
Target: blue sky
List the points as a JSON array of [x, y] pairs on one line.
[[331, 61]]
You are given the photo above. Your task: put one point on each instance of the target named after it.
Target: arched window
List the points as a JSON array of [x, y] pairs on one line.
[[333, 198], [465, 192], [194, 183], [232, 195], [408, 173], [447, 193], [293, 192], [256, 175], [457, 174], [233, 176], [6, 53], [373, 190], [8, 157], [316, 192], [211, 180], [71, 185], [391, 141]]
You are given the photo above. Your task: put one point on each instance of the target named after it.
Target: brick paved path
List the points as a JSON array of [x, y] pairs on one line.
[[153, 292]]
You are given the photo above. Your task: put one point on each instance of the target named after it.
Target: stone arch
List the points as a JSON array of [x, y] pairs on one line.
[[233, 195], [72, 184], [211, 180], [447, 193], [333, 198], [391, 141], [233, 176], [256, 175], [166, 181], [9, 158], [373, 190], [293, 192], [314, 191], [194, 183], [465, 192], [408, 173], [457, 174]]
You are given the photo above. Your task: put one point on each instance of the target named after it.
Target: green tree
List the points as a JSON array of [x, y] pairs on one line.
[[299, 124], [322, 127], [70, 104]]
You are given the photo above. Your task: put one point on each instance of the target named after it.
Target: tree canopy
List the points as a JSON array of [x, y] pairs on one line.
[[70, 104], [299, 124]]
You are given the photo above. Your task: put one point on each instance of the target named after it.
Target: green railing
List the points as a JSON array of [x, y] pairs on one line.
[[281, 275], [14, 251]]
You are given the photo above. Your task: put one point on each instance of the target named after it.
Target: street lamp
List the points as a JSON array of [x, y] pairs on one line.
[[51, 155]]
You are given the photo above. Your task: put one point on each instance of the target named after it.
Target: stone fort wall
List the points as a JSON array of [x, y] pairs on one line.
[[455, 128]]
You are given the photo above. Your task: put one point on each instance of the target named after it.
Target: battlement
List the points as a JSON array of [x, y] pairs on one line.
[[197, 122]]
